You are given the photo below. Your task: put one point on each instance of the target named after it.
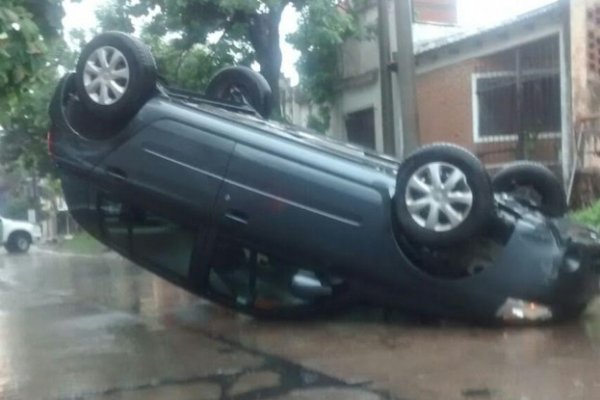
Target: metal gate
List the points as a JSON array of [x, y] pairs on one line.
[[517, 104]]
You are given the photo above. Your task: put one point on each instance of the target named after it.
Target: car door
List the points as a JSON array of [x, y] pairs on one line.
[[171, 165], [290, 197]]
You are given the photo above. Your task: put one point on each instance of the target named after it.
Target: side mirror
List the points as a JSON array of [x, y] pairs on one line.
[[307, 285]]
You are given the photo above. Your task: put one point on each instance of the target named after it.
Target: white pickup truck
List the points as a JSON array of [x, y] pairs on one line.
[[17, 236]]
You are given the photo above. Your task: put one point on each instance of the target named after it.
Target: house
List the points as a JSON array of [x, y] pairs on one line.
[[505, 92]]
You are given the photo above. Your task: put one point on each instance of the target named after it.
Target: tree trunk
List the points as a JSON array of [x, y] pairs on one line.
[[270, 68], [264, 36]]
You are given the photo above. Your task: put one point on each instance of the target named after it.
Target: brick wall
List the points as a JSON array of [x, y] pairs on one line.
[[445, 105]]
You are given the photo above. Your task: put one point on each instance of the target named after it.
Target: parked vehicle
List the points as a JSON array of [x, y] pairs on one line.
[[17, 236], [276, 222]]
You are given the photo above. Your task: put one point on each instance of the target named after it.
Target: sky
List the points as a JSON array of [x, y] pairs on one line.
[[471, 13]]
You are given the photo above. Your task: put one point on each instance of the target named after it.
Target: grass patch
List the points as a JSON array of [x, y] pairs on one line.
[[82, 243], [589, 216]]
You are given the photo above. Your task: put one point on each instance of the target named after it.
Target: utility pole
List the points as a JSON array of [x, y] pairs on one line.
[[385, 78], [568, 145], [405, 63]]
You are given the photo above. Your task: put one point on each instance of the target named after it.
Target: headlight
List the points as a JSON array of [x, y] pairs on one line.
[[514, 310]]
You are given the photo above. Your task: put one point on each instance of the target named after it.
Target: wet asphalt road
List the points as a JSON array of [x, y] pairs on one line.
[[76, 327]]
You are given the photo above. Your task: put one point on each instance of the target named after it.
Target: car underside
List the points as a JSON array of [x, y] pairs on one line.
[[272, 220]]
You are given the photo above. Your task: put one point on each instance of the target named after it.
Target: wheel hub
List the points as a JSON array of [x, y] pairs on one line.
[[106, 75], [438, 197]]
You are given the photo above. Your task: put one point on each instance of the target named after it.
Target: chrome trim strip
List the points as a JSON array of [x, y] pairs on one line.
[[334, 217], [182, 164]]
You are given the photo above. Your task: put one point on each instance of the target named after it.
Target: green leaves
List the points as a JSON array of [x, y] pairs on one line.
[[324, 26], [183, 36], [28, 74], [209, 34], [589, 216], [25, 27]]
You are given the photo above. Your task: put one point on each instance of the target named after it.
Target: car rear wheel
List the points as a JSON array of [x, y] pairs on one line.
[[443, 196], [533, 184], [242, 86], [18, 242], [116, 74]]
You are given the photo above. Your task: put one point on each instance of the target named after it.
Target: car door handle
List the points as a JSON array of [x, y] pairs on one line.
[[116, 173], [237, 216]]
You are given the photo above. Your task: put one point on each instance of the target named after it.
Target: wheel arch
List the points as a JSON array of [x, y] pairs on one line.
[[20, 232]]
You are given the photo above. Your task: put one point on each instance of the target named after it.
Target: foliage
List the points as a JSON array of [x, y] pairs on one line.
[[319, 123], [14, 199], [323, 28], [589, 216], [26, 121], [26, 27], [248, 30], [31, 51], [189, 68], [16, 208]]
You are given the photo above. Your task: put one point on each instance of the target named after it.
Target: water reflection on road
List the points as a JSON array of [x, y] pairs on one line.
[[95, 326]]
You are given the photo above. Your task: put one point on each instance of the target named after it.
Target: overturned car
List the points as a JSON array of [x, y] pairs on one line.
[[271, 220]]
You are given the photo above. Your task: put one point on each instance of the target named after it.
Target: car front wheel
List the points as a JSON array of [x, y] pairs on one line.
[[534, 184], [18, 242], [443, 196]]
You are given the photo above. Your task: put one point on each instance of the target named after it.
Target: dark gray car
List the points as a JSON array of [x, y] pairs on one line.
[[277, 222]]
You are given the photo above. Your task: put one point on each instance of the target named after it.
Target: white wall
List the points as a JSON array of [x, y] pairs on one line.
[[359, 57], [357, 99]]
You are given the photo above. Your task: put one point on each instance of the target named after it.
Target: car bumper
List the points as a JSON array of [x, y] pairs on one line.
[[565, 282]]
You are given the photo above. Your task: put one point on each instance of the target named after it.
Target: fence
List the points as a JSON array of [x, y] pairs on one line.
[[517, 104]]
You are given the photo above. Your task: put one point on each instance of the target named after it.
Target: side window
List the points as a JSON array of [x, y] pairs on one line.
[[147, 236], [162, 241], [114, 222], [249, 278]]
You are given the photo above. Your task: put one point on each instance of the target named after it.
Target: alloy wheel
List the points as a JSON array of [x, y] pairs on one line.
[[106, 75], [438, 197]]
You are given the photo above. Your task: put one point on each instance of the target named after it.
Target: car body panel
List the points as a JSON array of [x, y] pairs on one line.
[[186, 169], [10, 226], [217, 172], [290, 203]]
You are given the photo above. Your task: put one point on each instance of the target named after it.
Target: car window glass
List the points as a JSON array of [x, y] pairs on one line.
[[148, 236], [161, 241], [250, 278], [114, 222]]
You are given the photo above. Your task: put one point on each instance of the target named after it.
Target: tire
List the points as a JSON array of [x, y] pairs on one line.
[[464, 209], [239, 85], [18, 242], [534, 184], [118, 96]]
